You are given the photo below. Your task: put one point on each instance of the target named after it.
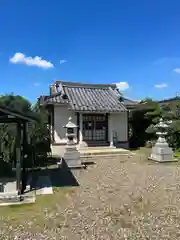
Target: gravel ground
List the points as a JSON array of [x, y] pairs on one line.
[[118, 198]]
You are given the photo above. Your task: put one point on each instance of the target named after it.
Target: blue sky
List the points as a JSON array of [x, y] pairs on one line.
[[134, 43]]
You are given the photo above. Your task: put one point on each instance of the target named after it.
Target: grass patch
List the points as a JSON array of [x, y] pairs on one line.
[[147, 151], [143, 150], [44, 212], [177, 154]]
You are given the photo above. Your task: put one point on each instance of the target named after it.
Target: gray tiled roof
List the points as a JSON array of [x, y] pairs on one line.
[[177, 98], [129, 102], [86, 97]]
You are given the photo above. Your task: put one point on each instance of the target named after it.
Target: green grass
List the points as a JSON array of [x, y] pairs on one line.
[[147, 151], [177, 154], [143, 150], [42, 213]]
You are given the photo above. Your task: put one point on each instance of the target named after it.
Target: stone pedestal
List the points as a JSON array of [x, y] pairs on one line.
[[82, 145], [161, 152], [72, 156]]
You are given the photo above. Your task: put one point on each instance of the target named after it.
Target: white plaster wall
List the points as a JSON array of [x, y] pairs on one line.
[[118, 122], [61, 115]]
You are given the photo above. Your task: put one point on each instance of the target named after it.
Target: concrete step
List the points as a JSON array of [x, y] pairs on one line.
[[10, 199], [105, 156], [29, 197], [92, 159], [103, 148], [18, 200], [109, 156], [97, 143], [103, 152]]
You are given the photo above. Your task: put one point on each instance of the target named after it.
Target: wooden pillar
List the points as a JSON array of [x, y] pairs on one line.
[[18, 158], [77, 115], [80, 127], [23, 152], [128, 115], [111, 131], [25, 136], [51, 122], [52, 125], [107, 127]]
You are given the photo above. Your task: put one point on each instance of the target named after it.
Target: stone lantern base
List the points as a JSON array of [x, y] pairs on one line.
[[82, 145], [161, 152], [71, 154], [72, 157]]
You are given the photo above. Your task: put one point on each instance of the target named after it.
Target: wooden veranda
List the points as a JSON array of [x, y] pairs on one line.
[[10, 116]]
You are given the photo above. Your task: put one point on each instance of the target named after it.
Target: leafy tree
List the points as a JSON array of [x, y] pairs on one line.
[[148, 113], [17, 103], [140, 120], [38, 133]]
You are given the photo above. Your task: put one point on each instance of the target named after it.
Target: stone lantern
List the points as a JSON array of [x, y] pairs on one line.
[[161, 152], [70, 131], [71, 154]]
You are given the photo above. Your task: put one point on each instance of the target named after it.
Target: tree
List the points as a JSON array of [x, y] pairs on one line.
[[168, 111], [38, 133], [140, 120], [18, 103]]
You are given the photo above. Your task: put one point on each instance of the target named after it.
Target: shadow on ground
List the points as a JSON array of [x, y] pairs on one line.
[[46, 161], [60, 177], [86, 164]]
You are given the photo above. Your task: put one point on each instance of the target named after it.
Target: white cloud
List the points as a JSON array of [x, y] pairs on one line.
[[20, 58], [122, 85], [63, 61], [161, 85], [177, 70]]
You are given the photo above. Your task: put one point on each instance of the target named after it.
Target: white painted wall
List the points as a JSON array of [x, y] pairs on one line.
[[61, 115], [118, 122]]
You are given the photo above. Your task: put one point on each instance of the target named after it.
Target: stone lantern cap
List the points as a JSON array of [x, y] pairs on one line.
[[163, 124], [70, 124]]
